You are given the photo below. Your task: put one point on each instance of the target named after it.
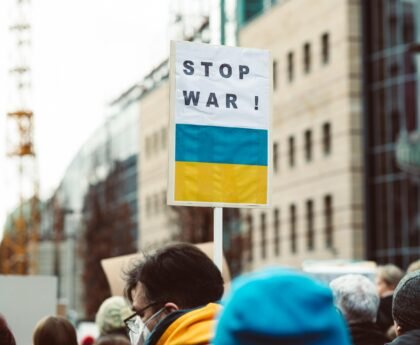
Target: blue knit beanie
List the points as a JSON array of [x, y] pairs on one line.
[[280, 306]]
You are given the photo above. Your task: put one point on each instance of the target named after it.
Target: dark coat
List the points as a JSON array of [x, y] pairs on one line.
[[367, 333], [384, 319], [408, 338]]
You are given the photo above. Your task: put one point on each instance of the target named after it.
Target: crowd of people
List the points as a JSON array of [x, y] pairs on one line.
[[175, 296]]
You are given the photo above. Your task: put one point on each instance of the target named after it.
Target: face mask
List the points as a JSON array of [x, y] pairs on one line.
[[144, 332], [145, 335], [135, 337]]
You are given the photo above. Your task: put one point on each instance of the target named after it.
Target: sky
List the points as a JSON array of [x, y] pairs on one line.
[[85, 53]]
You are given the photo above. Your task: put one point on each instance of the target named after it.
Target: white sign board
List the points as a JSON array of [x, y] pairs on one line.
[[24, 300], [220, 144]]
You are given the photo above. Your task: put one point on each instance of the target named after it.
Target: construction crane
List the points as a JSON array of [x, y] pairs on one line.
[[18, 250]]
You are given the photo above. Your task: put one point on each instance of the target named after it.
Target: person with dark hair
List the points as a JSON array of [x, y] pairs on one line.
[[6, 335], [406, 310], [54, 330], [174, 295]]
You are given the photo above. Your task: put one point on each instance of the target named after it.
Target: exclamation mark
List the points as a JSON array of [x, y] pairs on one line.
[[256, 103]]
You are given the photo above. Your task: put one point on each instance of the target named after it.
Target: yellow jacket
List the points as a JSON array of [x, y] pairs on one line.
[[195, 327]]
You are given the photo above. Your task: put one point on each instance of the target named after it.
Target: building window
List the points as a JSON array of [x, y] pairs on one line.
[[156, 203], [274, 74], [325, 52], [310, 241], [277, 232], [328, 213], [326, 138], [156, 142], [293, 225], [163, 138], [148, 206], [290, 67], [263, 237], [250, 224], [306, 58], [308, 145], [147, 144], [275, 156], [163, 199], [251, 9], [291, 151]]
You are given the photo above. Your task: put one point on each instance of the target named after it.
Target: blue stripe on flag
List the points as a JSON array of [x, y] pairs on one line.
[[211, 144]]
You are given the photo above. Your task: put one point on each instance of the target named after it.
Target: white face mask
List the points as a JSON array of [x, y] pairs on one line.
[[143, 335], [135, 337]]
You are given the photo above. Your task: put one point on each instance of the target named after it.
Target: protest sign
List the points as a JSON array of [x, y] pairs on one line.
[[220, 144]]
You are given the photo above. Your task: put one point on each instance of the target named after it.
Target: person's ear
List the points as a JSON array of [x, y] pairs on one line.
[[398, 329], [171, 307]]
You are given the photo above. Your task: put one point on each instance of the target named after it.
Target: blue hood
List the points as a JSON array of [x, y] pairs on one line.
[[280, 306]]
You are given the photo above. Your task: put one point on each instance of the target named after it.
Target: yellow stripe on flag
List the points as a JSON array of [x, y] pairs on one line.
[[229, 183]]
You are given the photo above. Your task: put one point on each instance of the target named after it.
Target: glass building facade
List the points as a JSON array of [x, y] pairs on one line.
[[113, 145], [391, 28], [106, 165], [247, 10]]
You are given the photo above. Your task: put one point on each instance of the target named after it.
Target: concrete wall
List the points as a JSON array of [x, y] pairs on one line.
[[155, 224]]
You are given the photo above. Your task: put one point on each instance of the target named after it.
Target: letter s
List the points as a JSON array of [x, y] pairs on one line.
[[188, 67]]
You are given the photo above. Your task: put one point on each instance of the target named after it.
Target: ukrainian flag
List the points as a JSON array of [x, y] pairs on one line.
[[220, 164], [219, 151]]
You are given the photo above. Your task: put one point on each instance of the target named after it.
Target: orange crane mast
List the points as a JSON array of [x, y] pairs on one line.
[[19, 248]]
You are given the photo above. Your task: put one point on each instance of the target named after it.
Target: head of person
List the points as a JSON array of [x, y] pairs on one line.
[[387, 279], [280, 306], [178, 276], [356, 297], [54, 330], [406, 303], [414, 266], [112, 339], [111, 314], [6, 335]]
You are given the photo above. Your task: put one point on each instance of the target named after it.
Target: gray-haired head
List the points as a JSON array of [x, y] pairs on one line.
[[356, 297]]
